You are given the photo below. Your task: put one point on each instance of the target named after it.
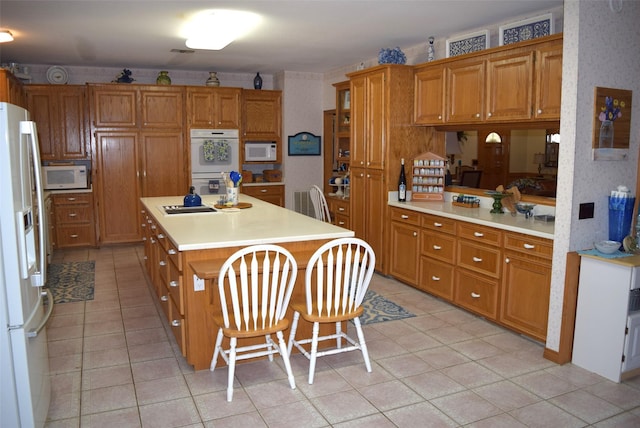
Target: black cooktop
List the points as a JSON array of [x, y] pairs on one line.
[[181, 209]]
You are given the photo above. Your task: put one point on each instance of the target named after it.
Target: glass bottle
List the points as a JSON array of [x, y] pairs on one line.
[[606, 135], [257, 82], [402, 183]]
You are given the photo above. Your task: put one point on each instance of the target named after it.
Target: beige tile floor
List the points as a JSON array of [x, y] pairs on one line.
[[115, 364]]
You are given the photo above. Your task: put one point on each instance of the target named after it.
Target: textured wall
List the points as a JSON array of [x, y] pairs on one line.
[[600, 49]]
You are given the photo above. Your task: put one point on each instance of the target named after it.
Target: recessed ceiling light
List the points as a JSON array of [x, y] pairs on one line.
[[215, 29], [6, 36]]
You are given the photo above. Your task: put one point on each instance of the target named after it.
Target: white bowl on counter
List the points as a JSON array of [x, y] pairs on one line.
[[607, 247]]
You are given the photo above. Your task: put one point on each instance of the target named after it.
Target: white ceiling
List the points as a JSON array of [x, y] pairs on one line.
[[295, 35]]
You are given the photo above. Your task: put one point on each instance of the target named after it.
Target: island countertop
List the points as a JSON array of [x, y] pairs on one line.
[[262, 223]]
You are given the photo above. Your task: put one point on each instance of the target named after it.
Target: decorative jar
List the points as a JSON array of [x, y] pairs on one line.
[[213, 79], [163, 78], [257, 82]]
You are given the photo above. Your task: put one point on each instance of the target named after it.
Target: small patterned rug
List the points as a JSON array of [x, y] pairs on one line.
[[378, 309], [71, 281]]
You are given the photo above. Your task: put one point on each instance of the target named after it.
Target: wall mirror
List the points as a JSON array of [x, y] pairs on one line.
[[526, 158]]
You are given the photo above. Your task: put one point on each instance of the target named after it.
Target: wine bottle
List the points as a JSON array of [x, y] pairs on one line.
[[402, 184]]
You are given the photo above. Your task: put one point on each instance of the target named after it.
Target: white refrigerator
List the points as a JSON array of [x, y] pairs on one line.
[[25, 307]]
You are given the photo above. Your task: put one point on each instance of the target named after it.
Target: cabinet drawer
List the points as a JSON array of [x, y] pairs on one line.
[[176, 288], [479, 258], [165, 302], [529, 245], [72, 199], [342, 221], [178, 327], [259, 191], [438, 246], [174, 255], [436, 277], [441, 224], [479, 233], [74, 235], [339, 206], [72, 214], [476, 293], [405, 216]]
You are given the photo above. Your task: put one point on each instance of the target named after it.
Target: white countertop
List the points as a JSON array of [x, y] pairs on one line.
[[263, 223], [482, 216]]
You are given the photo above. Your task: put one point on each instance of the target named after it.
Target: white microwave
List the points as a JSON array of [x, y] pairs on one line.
[[255, 151], [63, 177]]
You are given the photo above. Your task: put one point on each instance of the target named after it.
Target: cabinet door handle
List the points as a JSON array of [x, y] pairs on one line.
[[72, 214], [341, 209], [263, 190], [71, 199], [341, 223], [175, 323], [435, 278], [153, 241], [161, 235], [474, 295], [488, 114], [478, 234], [436, 224], [529, 246], [437, 247], [73, 235], [477, 114], [173, 283], [507, 260], [162, 263], [539, 111], [477, 259], [415, 234], [172, 251], [404, 216], [164, 298], [439, 117]]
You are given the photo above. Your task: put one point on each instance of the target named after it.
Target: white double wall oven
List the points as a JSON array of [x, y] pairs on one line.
[[214, 153]]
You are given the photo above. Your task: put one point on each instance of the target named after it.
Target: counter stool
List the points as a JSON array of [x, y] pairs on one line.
[[336, 280], [259, 281], [320, 206]]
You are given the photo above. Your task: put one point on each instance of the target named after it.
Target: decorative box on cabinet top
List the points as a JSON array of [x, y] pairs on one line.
[[428, 172]]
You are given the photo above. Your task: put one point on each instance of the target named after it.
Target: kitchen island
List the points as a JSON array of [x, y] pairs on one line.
[[183, 253]]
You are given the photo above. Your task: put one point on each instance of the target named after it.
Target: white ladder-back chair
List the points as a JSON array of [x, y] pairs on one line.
[[336, 281], [255, 286], [320, 206]]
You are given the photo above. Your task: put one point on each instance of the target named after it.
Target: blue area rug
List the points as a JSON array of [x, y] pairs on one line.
[[378, 309], [71, 281]]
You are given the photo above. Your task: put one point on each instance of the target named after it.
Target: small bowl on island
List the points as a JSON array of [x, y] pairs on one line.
[[525, 208], [607, 247]]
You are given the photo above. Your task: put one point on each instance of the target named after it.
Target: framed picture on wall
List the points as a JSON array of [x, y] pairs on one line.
[[611, 123], [304, 144]]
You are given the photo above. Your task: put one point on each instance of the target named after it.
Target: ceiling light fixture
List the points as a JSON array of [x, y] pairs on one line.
[[215, 29], [6, 36]]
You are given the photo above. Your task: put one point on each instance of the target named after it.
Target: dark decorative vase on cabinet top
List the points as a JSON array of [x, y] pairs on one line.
[[257, 82]]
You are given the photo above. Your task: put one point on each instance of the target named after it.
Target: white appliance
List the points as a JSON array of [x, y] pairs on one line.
[[214, 153], [65, 177], [259, 151], [24, 371]]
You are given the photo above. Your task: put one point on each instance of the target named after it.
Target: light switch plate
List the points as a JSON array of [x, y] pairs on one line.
[[198, 283], [586, 210]]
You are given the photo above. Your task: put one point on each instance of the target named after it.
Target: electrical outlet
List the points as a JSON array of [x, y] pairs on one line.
[[198, 283], [586, 210]]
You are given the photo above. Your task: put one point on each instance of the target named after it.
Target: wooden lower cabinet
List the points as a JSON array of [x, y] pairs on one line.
[[339, 210], [74, 220], [273, 194], [502, 276]]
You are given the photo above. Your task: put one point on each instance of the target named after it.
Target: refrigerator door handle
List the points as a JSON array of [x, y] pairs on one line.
[[39, 278], [34, 331]]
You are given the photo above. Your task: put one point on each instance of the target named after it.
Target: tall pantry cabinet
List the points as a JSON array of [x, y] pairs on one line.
[[381, 134], [138, 145]]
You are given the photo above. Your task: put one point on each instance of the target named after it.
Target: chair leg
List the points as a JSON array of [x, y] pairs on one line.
[[216, 350], [232, 367], [363, 344], [314, 351], [338, 336], [292, 333], [285, 357], [268, 341]]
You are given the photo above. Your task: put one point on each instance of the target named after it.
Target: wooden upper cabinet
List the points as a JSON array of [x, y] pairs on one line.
[[12, 89], [114, 106], [548, 87], [368, 120], [162, 169], [162, 107], [465, 91], [509, 94], [428, 107], [60, 113], [213, 108], [261, 115]]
